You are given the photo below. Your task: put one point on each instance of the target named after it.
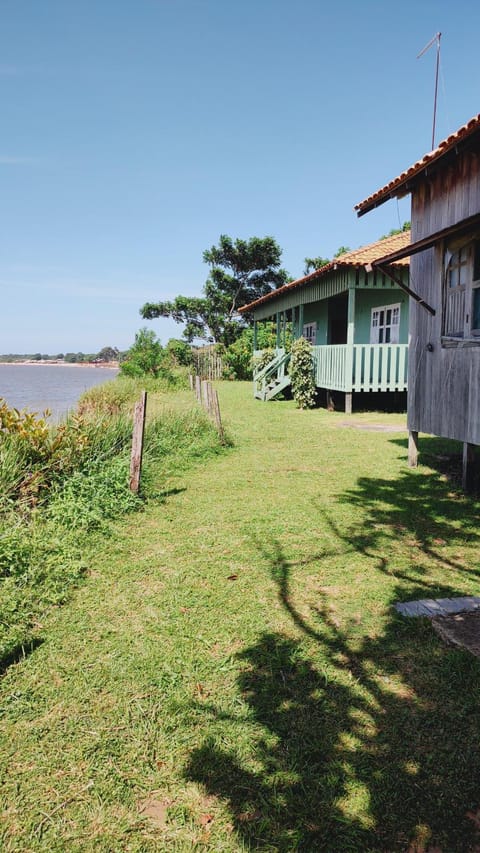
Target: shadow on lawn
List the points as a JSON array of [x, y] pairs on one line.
[[367, 743]]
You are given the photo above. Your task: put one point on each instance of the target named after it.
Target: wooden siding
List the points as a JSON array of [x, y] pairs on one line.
[[446, 197], [443, 382]]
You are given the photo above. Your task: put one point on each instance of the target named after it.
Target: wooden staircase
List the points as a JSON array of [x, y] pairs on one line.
[[272, 379]]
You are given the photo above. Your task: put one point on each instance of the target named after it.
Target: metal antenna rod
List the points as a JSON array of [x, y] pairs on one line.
[[432, 41]]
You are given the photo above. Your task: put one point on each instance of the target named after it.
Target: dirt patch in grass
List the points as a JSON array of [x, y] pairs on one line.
[[372, 427], [461, 629]]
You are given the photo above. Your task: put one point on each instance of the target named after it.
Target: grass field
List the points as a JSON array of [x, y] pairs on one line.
[[231, 675]]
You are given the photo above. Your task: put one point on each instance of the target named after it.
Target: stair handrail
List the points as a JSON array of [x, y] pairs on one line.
[[277, 364]]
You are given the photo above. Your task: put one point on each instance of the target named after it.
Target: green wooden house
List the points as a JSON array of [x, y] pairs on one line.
[[355, 317]]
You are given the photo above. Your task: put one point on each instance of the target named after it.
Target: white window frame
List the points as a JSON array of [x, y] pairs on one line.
[[309, 332], [385, 324], [461, 291]]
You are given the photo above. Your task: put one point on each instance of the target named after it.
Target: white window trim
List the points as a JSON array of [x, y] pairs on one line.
[[467, 336], [309, 332], [393, 327]]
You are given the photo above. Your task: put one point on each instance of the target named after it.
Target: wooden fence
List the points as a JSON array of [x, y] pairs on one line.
[[208, 363]]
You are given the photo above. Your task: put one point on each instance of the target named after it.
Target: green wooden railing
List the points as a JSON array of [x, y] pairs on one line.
[[361, 367], [272, 379]]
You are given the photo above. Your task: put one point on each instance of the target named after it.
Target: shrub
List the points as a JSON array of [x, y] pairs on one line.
[[301, 374]]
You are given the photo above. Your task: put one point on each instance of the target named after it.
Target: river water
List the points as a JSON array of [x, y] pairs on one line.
[[49, 386]]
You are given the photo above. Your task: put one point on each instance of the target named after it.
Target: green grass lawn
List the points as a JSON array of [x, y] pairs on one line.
[[231, 675]]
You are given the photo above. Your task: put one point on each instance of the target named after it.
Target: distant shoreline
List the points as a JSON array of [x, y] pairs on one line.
[[112, 365]]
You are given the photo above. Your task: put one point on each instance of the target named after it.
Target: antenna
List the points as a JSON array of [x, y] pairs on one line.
[[430, 44]]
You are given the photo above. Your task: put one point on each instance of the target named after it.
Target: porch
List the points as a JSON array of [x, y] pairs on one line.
[[341, 367]]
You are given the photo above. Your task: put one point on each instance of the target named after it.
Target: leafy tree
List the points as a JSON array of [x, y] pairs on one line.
[[240, 272], [146, 356], [107, 354], [312, 264], [405, 227], [342, 250], [180, 352]]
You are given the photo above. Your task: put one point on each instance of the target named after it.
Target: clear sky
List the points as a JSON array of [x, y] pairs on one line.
[[135, 132]]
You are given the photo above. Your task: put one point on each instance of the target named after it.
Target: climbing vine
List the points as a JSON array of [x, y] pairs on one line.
[[301, 374]]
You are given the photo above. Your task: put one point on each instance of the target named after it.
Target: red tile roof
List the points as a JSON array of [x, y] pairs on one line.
[[395, 187], [358, 258]]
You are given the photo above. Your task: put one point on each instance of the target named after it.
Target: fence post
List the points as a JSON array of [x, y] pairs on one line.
[[216, 414], [205, 395], [190, 379], [198, 389], [137, 442]]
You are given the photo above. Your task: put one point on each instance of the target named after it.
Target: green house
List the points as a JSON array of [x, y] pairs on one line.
[[355, 317]]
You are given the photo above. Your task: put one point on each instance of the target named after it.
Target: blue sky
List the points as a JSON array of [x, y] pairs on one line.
[[135, 132]]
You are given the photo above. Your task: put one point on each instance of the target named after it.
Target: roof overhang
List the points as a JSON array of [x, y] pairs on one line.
[[403, 184]]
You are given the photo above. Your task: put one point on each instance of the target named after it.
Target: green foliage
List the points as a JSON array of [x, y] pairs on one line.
[[261, 361], [180, 353], [63, 485], [405, 227], [89, 499], [107, 354], [145, 357], [342, 250], [240, 272], [301, 374], [312, 264]]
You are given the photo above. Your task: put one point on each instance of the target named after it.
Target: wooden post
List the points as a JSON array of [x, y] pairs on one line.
[[198, 389], [204, 393], [469, 471], [190, 379], [349, 354], [412, 449], [216, 414], [137, 442], [330, 403]]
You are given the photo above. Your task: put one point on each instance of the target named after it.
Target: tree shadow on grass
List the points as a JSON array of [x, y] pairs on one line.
[[367, 743], [19, 653]]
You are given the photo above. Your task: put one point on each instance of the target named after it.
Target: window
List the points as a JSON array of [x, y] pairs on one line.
[[461, 293], [310, 333], [385, 325]]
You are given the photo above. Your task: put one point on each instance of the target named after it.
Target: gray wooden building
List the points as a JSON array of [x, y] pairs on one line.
[[444, 348]]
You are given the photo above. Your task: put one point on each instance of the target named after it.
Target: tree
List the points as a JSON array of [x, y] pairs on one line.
[[146, 356], [107, 354], [393, 231], [312, 264], [240, 272], [342, 250], [180, 352]]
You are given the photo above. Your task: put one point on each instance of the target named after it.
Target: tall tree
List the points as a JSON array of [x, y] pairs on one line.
[[312, 264], [240, 272]]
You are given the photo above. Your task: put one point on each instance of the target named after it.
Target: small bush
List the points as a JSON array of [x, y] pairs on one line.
[[301, 374]]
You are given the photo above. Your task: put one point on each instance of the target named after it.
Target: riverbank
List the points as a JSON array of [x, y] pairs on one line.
[[58, 363], [232, 675]]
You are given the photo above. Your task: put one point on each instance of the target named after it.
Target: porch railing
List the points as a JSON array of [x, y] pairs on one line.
[[361, 367]]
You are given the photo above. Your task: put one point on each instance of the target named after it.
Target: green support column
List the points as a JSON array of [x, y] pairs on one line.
[[254, 335], [278, 330], [300, 321], [349, 358], [284, 343]]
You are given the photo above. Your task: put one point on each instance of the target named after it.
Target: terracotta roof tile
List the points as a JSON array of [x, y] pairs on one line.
[[394, 187], [357, 258]]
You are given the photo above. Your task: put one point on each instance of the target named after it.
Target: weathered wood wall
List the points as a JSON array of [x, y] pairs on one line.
[[443, 381]]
